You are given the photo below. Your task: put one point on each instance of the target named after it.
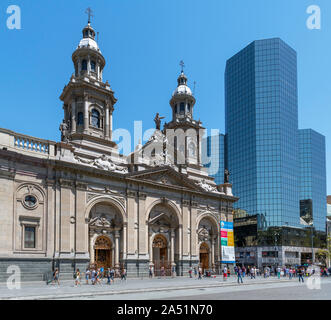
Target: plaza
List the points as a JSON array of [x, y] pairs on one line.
[[179, 288]]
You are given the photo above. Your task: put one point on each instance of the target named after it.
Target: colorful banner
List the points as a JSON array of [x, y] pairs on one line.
[[227, 242]]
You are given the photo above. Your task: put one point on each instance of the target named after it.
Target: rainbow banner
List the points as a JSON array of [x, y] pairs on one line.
[[227, 242]]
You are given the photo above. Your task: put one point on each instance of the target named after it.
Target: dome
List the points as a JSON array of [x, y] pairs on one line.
[[182, 89], [88, 42]]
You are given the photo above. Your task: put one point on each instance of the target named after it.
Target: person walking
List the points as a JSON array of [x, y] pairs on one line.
[[87, 275], [56, 276], [252, 270], [93, 274], [200, 273], [239, 273], [108, 276], [243, 270], [190, 272], [77, 278], [300, 273], [225, 273], [123, 275], [150, 274], [112, 275], [278, 272], [195, 272], [229, 272]]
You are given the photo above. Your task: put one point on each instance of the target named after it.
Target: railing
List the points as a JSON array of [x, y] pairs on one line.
[[31, 144], [11, 140]]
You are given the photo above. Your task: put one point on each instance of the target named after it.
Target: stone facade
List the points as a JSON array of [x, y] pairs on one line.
[[78, 202]]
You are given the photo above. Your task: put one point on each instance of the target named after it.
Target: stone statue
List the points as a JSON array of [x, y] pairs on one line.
[[226, 176], [64, 128], [157, 121], [204, 185]]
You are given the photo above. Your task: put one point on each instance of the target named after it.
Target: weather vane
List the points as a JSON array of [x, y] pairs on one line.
[[181, 63], [89, 12]]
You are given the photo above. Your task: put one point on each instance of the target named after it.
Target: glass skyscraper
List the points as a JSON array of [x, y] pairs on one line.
[[312, 178], [261, 118]]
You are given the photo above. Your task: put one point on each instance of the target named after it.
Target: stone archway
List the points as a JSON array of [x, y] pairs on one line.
[[163, 228], [106, 232], [160, 254], [207, 235]]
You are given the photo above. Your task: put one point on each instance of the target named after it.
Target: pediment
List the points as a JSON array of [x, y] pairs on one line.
[[166, 177]]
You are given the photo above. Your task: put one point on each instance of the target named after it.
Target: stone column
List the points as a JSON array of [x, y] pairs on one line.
[[111, 122], [150, 250], [89, 65], [117, 250], [107, 121], [86, 115], [180, 239], [213, 253], [73, 116], [124, 239], [172, 247]]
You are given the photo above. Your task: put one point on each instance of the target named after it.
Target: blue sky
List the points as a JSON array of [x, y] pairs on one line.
[[143, 42]]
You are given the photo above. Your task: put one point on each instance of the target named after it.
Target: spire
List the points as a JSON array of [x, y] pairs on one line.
[[89, 12]]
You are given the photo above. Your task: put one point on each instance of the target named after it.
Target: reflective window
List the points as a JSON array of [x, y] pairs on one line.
[[95, 118], [84, 65], [80, 118], [29, 237]]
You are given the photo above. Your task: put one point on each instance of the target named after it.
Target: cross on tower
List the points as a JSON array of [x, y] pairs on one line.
[[181, 63], [89, 12]]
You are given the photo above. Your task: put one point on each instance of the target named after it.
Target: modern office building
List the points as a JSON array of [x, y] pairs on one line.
[[276, 169], [312, 178], [213, 147], [262, 130]]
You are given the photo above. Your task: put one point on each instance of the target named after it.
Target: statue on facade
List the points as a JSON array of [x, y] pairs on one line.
[[226, 176], [64, 128], [157, 121]]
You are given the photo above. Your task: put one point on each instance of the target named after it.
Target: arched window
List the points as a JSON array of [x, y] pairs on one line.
[[95, 118], [188, 107], [93, 64], [80, 118], [84, 65], [182, 107]]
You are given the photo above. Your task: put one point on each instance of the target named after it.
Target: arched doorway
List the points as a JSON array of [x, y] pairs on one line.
[[103, 252], [207, 235], [106, 235], [160, 254], [204, 256], [163, 229]]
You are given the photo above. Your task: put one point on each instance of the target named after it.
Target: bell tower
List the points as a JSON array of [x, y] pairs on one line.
[[88, 102], [186, 130]]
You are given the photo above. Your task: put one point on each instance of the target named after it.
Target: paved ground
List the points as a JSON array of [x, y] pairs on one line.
[[173, 288]]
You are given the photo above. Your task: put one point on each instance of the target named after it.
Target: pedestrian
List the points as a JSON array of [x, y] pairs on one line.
[[173, 271], [195, 272], [77, 278], [190, 272], [240, 272], [252, 270], [229, 272], [56, 276], [112, 275], [93, 275], [150, 272], [108, 276], [123, 275], [243, 271], [301, 273], [102, 272], [225, 273], [87, 275], [97, 277], [200, 273], [278, 272]]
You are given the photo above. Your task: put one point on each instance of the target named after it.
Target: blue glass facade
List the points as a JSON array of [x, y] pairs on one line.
[[262, 130], [312, 177], [215, 157]]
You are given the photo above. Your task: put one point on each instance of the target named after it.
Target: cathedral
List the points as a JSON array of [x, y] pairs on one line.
[[79, 202]]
